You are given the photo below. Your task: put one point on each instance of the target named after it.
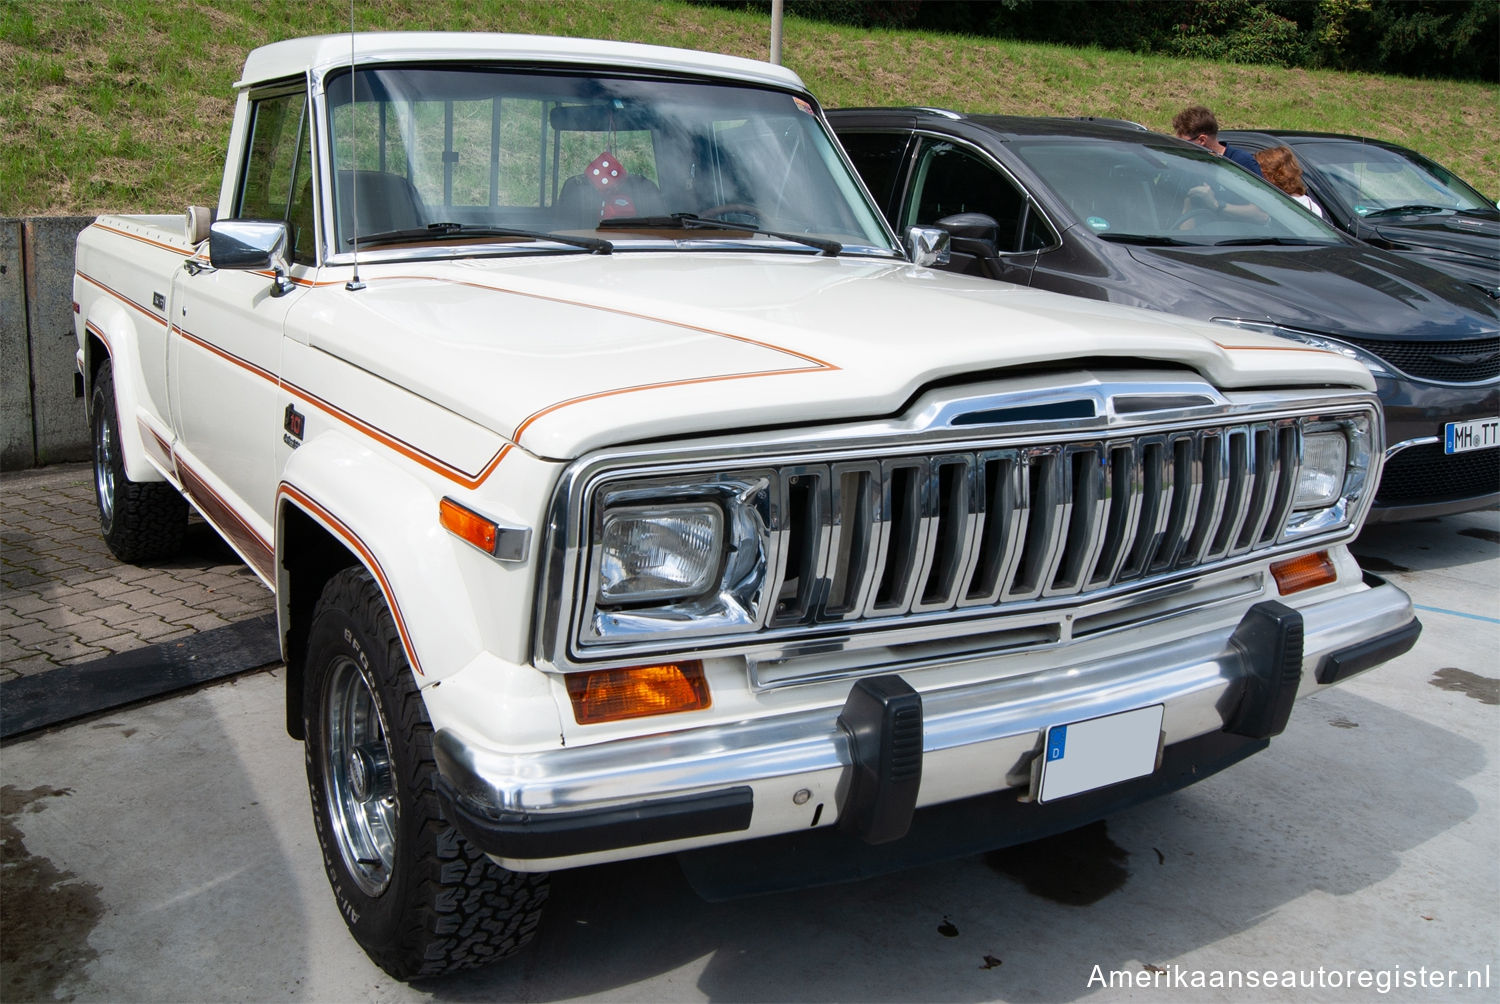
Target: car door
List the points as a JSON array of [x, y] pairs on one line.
[[225, 349], [948, 178]]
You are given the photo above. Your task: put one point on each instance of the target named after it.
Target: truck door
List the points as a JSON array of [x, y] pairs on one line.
[[225, 349]]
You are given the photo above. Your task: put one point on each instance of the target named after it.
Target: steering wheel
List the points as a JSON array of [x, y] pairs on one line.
[[734, 212], [1191, 216]]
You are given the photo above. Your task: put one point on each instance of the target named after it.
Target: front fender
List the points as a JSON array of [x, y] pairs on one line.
[[387, 518]]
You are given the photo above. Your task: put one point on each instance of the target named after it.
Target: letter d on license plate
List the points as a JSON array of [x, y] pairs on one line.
[[1083, 756]]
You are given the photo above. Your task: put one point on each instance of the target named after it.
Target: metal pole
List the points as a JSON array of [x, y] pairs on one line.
[[776, 31]]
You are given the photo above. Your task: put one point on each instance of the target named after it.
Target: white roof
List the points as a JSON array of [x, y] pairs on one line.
[[321, 53]]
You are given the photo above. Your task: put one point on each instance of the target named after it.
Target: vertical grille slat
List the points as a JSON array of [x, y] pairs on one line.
[[1126, 498], [1262, 488], [1213, 450], [1048, 504], [1002, 522], [1289, 465], [904, 501], [803, 556], [949, 552], [1084, 532], [859, 540], [1239, 479], [851, 563]]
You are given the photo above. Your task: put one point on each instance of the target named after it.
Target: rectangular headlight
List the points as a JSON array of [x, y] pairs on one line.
[[1320, 481], [659, 552]]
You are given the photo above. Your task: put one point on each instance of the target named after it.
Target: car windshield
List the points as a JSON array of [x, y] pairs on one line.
[[1167, 194], [436, 156], [1370, 179]]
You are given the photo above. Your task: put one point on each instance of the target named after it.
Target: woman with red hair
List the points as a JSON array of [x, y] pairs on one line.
[[1279, 166]]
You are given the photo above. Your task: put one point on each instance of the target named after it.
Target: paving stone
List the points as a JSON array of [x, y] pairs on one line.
[[109, 586], [59, 618], [93, 631], [65, 599], [32, 634], [25, 603], [69, 650]]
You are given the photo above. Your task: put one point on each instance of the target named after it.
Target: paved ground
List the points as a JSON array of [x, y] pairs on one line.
[[65, 600], [165, 851]]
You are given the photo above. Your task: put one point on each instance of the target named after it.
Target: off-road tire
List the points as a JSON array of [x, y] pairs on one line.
[[416, 896], [140, 520]]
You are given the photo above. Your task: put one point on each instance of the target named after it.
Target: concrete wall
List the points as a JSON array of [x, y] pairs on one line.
[[41, 422]]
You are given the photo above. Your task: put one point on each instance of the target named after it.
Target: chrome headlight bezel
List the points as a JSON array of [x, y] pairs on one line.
[[1350, 491], [725, 598]]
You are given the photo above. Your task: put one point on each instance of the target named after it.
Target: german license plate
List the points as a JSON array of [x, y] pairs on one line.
[[1461, 437], [1082, 756]]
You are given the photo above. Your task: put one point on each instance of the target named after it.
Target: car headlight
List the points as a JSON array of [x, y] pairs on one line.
[[678, 557], [1370, 361], [1335, 474], [1320, 480], [659, 553]]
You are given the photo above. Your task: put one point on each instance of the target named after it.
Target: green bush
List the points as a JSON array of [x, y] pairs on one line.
[[1446, 39]]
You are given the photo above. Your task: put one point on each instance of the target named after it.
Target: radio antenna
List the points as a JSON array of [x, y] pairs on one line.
[[353, 285]]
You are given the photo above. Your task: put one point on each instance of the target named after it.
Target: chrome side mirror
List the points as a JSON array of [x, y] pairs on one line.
[[927, 246], [251, 246]]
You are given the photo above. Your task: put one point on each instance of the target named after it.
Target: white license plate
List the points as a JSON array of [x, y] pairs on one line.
[[1082, 756], [1480, 434]]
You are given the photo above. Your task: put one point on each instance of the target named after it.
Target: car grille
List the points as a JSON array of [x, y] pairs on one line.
[[1450, 362], [869, 540], [1425, 474]]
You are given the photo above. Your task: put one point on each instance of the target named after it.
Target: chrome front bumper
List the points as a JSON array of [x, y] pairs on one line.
[[788, 773]]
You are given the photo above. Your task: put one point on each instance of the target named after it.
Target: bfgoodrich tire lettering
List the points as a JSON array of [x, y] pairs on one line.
[[140, 520], [419, 900]]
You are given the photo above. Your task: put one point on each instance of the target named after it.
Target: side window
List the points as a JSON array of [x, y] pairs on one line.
[[277, 181], [878, 156], [951, 180]]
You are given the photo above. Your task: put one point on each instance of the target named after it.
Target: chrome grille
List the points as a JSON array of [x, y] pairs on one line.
[[970, 529]]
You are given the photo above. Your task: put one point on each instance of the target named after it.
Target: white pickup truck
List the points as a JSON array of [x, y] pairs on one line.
[[628, 488]]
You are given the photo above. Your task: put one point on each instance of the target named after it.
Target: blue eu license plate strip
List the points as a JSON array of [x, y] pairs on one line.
[[1479, 434], [1082, 756]]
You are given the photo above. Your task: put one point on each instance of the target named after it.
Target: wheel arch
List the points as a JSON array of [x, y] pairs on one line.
[[109, 336], [311, 555]]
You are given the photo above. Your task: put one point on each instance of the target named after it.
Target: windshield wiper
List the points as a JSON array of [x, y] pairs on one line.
[[1149, 240], [1297, 242], [687, 221], [1401, 210], [593, 244]]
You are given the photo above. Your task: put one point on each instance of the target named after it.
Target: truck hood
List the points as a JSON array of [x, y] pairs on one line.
[[561, 355], [1334, 290]]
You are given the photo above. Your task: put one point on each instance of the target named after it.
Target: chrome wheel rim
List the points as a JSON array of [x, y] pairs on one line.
[[104, 467], [357, 778]]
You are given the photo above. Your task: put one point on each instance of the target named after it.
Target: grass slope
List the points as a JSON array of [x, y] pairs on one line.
[[124, 105]]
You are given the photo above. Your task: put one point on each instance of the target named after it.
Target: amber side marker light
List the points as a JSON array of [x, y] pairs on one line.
[[612, 695], [467, 525], [1297, 574]]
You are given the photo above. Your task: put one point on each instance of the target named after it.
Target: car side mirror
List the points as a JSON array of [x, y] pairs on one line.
[[973, 234], [251, 246], [927, 246]]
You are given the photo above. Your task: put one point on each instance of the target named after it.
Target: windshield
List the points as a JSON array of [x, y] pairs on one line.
[[1134, 192], [443, 155], [1370, 179]]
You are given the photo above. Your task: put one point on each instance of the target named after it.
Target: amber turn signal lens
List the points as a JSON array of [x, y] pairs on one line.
[[1297, 574], [612, 695], [467, 525]]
